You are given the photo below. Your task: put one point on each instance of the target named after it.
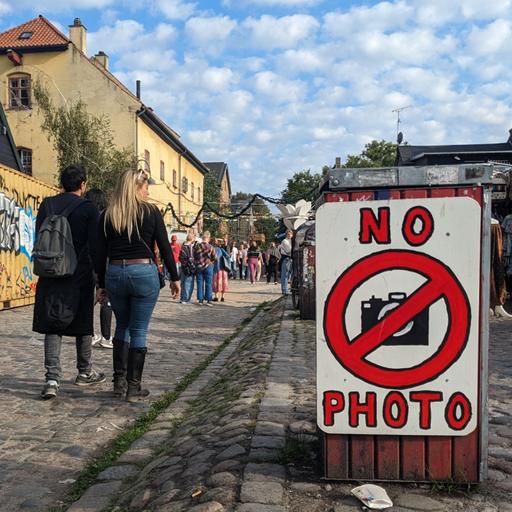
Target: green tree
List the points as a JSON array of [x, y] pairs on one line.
[[302, 185], [377, 153], [80, 137], [211, 221], [269, 226]]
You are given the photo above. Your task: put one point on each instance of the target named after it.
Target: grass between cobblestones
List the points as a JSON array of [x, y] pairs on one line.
[[126, 438]]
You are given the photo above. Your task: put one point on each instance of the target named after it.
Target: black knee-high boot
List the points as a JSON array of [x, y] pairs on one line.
[[120, 362], [136, 357]]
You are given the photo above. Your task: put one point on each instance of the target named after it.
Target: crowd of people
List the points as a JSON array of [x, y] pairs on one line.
[[88, 251]]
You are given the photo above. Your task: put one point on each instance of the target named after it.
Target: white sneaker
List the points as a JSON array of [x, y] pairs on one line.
[[96, 339], [104, 343]]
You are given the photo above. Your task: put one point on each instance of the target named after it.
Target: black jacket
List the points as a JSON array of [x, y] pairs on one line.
[[65, 306]]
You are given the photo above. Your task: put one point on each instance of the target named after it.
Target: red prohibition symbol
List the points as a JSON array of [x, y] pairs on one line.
[[441, 284]]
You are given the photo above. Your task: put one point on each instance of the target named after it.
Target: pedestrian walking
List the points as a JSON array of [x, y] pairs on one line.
[[285, 250], [204, 257], [64, 305], [128, 231], [176, 248], [242, 258], [188, 269], [221, 269], [234, 260], [254, 259], [102, 340], [273, 257]]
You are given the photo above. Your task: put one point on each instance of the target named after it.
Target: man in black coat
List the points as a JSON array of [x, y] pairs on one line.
[[64, 306]]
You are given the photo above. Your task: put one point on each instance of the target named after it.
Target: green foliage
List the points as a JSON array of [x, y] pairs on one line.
[[269, 226], [375, 154], [302, 185], [211, 196], [79, 137]]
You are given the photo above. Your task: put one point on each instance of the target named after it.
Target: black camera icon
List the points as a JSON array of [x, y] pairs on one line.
[[375, 310]]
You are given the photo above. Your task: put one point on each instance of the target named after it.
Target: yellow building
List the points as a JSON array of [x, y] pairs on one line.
[[37, 50]]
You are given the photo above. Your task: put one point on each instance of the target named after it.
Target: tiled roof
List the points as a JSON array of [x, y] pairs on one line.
[[218, 171], [43, 34]]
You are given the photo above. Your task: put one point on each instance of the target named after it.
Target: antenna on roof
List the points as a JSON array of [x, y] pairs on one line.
[[399, 134]]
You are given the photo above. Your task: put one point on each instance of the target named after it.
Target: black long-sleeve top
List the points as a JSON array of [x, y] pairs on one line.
[[117, 246], [83, 221]]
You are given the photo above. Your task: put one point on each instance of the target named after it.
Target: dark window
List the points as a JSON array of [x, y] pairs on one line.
[[26, 160], [26, 35], [19, 91], [174, 179], [184, 185], [162, 170], [199, 194], [192, 190], [147, 161]]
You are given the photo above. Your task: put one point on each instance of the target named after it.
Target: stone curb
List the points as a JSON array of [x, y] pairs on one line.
[[108, 483], [263, 482]]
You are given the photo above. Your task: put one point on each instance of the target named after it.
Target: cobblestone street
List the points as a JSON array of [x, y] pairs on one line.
[[247, 441], [241, 438], [44, 445]]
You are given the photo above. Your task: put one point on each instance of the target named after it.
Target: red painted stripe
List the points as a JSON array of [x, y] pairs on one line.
[[336, 456], [413, 458]]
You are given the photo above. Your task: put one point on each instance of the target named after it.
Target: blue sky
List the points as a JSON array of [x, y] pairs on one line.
[[276, 86]]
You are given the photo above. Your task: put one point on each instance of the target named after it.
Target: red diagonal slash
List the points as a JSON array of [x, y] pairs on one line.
[[441, 283], [422, 298]]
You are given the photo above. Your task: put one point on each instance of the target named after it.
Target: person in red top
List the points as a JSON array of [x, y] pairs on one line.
[[176, 249]]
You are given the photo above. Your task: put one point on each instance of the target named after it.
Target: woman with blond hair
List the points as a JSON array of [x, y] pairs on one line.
[[128, 231]]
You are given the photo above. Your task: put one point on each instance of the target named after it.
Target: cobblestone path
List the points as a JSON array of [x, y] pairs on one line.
[[247, 441], [44, 445]]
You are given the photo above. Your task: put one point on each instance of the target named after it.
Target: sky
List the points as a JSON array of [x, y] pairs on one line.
[[276, 86]]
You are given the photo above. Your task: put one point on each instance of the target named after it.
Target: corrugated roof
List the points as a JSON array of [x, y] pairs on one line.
[[43, 34]]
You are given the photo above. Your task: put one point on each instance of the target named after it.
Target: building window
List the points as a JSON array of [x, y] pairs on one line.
[[174, 179], [199, 194], [192, 189], [26, 160], [184, 185], [26, 35], [162, 170], [19, 92], [147, 161]]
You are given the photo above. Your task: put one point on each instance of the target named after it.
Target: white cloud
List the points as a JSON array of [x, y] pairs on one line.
[[304, 60], [383, 16], [278, 88], [4, 8], [127, 36], [205, 31], [493, 39], [175, 9], [268, 32]]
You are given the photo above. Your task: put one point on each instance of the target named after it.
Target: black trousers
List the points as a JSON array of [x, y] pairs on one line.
[[106, 320], [272, 271]]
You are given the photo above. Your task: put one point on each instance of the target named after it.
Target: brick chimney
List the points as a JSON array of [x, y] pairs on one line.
[[102, 58], [78, 35]]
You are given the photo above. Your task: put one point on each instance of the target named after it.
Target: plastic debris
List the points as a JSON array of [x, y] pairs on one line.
[[372, 496], [196, 493], [67, 481]]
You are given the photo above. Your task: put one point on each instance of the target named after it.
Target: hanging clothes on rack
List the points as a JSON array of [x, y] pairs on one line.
[[498, 286], [506, 227]]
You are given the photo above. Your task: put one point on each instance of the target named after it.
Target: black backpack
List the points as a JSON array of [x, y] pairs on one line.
[[54, 253], [189, 266]]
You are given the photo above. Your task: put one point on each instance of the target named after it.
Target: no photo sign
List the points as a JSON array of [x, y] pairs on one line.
[[398, 290]]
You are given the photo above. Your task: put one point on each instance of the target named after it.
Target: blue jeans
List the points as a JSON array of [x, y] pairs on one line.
[[187, 287], [286, 264], [133, 291], [204, 284]]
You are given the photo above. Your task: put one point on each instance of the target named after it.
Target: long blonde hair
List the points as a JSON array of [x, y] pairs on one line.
[[125, 210]]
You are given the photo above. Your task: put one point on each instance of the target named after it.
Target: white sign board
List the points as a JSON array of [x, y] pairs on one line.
[[398, 292]]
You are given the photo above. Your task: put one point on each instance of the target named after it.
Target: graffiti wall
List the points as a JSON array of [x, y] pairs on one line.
[[20, 197]]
